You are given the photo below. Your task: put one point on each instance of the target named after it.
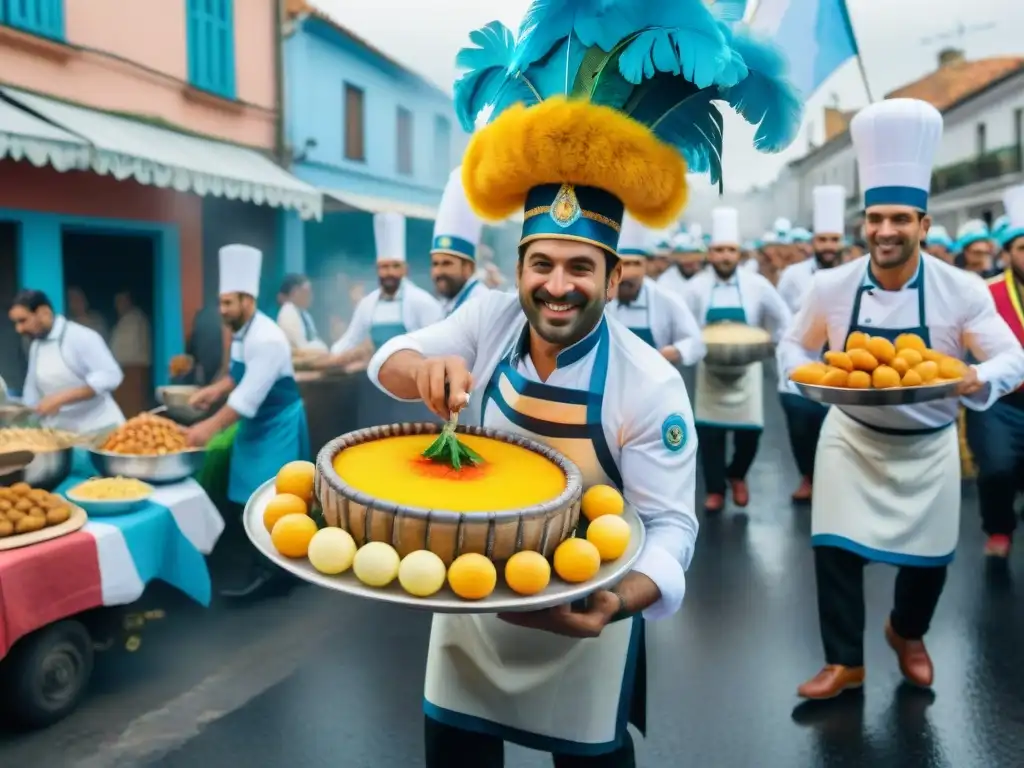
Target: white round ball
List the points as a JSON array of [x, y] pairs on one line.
[[376, 564], [422, 573], [331, 551]]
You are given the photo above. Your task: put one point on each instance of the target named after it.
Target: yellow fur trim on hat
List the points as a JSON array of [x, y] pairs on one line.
[[572, 141]]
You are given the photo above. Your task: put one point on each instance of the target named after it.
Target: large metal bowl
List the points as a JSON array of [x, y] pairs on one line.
[[737, 355], [175, 399], [169, 468], [878, 397], [49, 468]]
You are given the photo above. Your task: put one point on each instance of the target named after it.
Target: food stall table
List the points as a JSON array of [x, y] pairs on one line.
[[109, 562]]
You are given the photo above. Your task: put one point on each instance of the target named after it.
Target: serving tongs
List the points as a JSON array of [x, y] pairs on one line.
[[447, 448]]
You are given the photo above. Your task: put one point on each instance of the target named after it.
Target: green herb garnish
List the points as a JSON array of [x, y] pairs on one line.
[[448, 449]]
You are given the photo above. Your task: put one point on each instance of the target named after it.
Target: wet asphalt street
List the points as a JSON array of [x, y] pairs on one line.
[[318, 680]]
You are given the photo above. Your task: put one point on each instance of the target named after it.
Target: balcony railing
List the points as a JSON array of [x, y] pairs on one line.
[[990, 165]]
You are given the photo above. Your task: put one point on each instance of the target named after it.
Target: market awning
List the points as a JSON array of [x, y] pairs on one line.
[[350, 201], [71, 137]]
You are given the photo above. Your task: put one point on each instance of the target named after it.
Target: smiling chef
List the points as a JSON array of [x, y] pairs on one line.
[[71, 373], [453, 252], [892, 473], [727, 403], [661, 320]]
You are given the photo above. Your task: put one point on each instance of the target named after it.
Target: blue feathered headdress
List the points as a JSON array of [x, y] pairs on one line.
[[593, 93]]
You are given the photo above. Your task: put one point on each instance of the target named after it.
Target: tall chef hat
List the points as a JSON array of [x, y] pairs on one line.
[[635, 239], [971, 232], [389, 234], [895, 142], [725, 227], [456, 229], [829, 210], [939, 235], [240, 267], [782, 226], [1013, 201], [583, 121]]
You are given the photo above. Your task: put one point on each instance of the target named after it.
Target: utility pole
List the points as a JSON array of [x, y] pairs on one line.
[[957, 35]]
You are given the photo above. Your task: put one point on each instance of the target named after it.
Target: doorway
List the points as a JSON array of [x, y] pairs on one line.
[[109, 280], [13, 359]]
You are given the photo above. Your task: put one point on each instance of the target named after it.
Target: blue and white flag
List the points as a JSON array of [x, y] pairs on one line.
[[816, 36]]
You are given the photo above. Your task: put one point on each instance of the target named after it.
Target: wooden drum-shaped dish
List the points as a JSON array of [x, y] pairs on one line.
[[407, 527]]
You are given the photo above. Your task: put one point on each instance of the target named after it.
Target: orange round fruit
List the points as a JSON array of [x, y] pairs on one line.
[[472, 576], [883, 349], [912, 356], [899, 364], [910, 341], [610, 535], [296, 477], [839, 360], [601, 500], [859, 380], [836, 377], [932, 355], [856, 340], [292, 533], [884, 377], [577, 560], [912, 379], [863, 360], [951, 368], [928, 370], [811, 373], [281, 505], [528, 573]]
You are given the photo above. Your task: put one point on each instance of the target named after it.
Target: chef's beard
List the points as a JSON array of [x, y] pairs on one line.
[[448, 286], [562, 334], [724, 272], [389, 285], [629, 290], [826, 259], [689, 268], [908, 247]]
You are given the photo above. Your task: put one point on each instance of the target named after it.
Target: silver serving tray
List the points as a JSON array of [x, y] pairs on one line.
[[737, 355], [877, 397], [501, 600], [169, 468]]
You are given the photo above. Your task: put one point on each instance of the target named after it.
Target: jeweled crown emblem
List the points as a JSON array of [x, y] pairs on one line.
[[565, 209], [444, 242]]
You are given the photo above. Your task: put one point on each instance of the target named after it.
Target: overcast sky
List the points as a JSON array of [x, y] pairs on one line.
[[893, 36]]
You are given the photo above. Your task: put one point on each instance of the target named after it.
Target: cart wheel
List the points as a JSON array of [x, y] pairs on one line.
[[47, 673]]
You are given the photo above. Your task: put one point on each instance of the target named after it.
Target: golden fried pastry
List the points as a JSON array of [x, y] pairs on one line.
[[859, 380], [146, 435], [951, 368], [884, 377], [900, 365], [24, 504], [912, 356], [911, 379], [21, 489], [928, 370], [30, 524], [856, 340], [835, 377], [863, 360], [839, 360], [6, 528], [910, 341], [58, 515], [811, 373], [931, 355], [883, 349]]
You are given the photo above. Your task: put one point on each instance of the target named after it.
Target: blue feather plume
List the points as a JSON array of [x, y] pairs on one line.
[[735, 68], [729, 10], [548, 22], [764, 98], [487, 64], [555, 74]]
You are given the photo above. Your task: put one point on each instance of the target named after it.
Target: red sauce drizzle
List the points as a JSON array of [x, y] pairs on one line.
[[428, 468]]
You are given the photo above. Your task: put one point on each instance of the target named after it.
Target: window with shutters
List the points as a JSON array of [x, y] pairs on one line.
[[38, 17], [404, 134], [355, 143], [211, 46]]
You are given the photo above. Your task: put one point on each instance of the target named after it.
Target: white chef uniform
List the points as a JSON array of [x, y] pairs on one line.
[[272, 430], [746, 298], [655, 316], [618, 410], [72, 356], [457, 232], [672, 280], [379, 318], [893, 473], [299, 328]]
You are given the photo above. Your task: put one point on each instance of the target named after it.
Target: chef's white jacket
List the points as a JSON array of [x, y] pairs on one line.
[[763, 305], [473, 289], [419, 309], [669, 319], [959, 312], [290, 320], [85, 354], [795, 281], [642, 392], [267, 355], [672, 281]]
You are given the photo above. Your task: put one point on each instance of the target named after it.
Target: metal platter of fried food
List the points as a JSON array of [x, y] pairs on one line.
[[31, 515], [149, 448], [874, 371], [736, 344]]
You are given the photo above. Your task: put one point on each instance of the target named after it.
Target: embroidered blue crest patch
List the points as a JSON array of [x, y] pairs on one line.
[[673, 432]]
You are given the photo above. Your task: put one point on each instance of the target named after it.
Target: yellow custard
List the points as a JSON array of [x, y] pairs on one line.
[[393, 469]]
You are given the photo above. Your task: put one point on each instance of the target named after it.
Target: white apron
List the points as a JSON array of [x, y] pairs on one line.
[[893, 495], [729, 403], [53, 375], [533, 688]]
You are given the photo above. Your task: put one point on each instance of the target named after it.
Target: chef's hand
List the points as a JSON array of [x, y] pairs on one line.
[[203, 399], [671, 354], [970, 383], [431, 376], [49, 405], [603, 606], [198, 435]]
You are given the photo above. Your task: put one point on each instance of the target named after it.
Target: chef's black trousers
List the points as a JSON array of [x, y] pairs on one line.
[[803, 422], [449, 747], [712, 451], [840, 577], [996, 438]]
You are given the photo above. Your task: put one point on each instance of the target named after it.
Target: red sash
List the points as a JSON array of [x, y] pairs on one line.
[[1004, 292]]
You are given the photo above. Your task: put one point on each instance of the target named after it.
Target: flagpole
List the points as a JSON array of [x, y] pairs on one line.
[[864, 77], [860, 59]]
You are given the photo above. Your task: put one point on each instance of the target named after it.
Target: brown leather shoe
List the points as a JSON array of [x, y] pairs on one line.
[[915, 663], [803, 494], [740, 493], [715, 502], [832, 681]]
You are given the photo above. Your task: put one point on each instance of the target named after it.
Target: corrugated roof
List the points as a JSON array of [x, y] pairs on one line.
[[951, 84]]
